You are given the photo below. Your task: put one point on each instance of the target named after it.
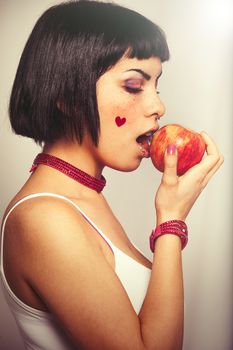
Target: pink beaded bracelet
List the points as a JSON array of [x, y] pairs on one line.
[[175, 227]]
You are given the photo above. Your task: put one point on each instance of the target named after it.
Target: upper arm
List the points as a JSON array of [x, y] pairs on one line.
[[70, 273]]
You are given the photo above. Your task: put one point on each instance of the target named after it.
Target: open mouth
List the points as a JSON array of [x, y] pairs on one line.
[[144, 141], [145, 138]]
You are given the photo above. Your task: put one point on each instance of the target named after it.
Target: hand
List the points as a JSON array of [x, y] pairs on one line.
[[176, 195]]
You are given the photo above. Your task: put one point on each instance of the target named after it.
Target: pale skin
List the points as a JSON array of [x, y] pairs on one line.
[[54, 243]]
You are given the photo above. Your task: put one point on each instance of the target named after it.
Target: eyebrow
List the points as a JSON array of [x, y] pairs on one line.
[[144, 74]]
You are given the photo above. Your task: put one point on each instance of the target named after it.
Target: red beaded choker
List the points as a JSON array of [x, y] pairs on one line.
[[69, 170]]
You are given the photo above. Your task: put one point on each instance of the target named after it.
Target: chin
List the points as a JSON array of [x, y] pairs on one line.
[[127, 166]]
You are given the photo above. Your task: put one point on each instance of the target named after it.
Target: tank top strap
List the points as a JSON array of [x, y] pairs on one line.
[[55, 195]]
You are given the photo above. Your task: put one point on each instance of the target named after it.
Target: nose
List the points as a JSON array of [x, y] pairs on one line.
[[155, 107]]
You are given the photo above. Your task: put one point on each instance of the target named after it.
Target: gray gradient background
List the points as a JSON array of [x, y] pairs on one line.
[[197, 89]]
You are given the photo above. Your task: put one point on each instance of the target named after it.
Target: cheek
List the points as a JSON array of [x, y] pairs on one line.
[[121, 115], [117, 111]]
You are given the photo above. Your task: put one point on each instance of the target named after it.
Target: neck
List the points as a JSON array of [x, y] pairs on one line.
[[81, 157], [77, 155]]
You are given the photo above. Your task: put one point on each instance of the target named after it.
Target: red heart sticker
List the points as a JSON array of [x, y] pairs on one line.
[[120, 121]]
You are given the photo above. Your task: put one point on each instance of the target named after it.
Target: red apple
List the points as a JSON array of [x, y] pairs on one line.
[[190, 147]]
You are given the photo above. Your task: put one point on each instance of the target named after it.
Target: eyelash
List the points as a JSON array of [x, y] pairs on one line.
[[133, 90], [136, 90]]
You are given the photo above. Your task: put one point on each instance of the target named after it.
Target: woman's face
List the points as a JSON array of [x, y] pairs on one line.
[[129, 107]]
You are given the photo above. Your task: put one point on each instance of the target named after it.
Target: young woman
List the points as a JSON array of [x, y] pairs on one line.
[[86, 90]]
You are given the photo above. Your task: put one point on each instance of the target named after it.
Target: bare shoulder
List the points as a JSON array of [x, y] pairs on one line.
[[72, 277], [41, 219]]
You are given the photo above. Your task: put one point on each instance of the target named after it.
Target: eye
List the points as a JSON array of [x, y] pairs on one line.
[[133, 85], [132, 90]]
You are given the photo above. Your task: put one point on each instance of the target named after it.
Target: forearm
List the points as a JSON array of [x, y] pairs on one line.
[[162, 313]]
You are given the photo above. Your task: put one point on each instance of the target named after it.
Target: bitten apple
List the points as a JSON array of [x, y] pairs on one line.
[[190, 147]]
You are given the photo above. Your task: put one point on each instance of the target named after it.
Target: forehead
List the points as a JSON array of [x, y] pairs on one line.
[[152, 65]]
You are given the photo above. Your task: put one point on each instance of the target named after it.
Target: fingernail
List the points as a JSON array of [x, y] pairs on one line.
[[171, 149]]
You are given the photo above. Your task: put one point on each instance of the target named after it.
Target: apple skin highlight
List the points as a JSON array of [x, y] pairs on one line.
[[189, 144]]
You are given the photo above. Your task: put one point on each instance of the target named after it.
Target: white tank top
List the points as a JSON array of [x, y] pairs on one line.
[[39, 329]]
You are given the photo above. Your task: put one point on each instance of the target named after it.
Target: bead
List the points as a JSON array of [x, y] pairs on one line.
[[176, 227], [69, 170]]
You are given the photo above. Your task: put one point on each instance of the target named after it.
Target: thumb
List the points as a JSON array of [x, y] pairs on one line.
[[170, 165]]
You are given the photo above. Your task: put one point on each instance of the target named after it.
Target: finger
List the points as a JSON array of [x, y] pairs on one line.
[[213, 171], [211, 162], [211, 147], [213, 159], [170, 165]]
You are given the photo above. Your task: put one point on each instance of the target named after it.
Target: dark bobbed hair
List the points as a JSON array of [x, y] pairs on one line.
[[70, 47]]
